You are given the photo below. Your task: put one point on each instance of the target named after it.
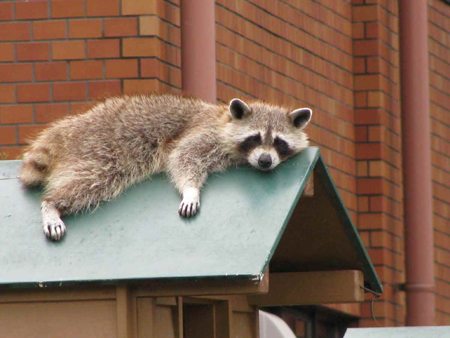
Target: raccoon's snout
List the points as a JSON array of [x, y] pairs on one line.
[[265, 161], [263, 158]]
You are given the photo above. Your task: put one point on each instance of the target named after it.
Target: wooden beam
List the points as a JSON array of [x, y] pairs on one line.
[[124, 318], [201, 287], [312, 288], [179, 326]]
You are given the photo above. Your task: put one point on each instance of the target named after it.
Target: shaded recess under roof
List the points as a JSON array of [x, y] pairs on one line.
[[249, 221]]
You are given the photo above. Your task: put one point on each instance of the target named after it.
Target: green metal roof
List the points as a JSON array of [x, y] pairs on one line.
[[140, 236], [400, 332]]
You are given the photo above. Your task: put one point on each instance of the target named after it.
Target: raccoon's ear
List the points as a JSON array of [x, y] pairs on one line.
[[239, 109], [300, 117]]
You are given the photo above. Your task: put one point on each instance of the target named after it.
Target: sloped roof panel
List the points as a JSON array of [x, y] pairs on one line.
[[140, 236]]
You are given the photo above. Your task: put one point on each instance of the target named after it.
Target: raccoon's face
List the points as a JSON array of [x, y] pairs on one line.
[[267, 135]]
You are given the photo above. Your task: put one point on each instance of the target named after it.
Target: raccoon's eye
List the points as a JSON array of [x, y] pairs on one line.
[[282, 147], [250, 143], [255, 138]]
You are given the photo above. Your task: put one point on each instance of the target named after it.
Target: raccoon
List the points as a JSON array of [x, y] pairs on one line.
[[86, 159]]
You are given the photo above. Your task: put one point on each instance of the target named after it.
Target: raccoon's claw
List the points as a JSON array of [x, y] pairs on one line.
[[188, 209], [190, 203], [54, 231]]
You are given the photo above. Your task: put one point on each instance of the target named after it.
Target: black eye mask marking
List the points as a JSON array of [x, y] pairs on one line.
[[282, 148], [250, 143]]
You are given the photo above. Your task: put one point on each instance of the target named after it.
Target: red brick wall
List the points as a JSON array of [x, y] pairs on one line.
[[439, 53], [378, 151], [297, 54], [58, 56]]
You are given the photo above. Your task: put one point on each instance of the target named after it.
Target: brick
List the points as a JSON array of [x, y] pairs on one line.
[[69, 91], [363, 204], [367, 116], [67, 8], [102, 8], [120, 27], [150, 67], [29, 133], [85, 29], [359, 65], [365, 47], [48, 30], [31, 10], [7, 135], [375, 134], [365, 13], [372, 30], [108, 48], [33, 92], [368, 151], [374, 65], [33, 51], [360, 99], [139, 47], [6, 93], [370, 221], [16, 114], [104, 89], [12, 153], [376, 203], [46, 113], [361, 134], [131, 7], [367, 82], [80, 107], [121, 68], [368, 186], [15, 72], [155, 68], [154, 26], [362, 168], [68, 50], [6, 11], [15, 31], [149, 25], [6, 52], [81, 70], [50, 71], [376, 99], [376, 168], [140, 86], [358, 30]]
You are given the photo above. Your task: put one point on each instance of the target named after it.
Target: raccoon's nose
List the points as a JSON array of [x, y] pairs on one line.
[[265, 161]]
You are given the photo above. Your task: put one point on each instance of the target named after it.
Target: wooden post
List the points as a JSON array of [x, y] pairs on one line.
[[124, 318]]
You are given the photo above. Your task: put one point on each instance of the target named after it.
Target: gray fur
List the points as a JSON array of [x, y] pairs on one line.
[[86, 159]]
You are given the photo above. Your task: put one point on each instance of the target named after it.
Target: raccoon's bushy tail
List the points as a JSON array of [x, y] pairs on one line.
[[35, 168]]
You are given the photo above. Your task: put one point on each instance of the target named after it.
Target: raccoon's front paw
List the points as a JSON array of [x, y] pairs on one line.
[[54, 229], [190, 203]]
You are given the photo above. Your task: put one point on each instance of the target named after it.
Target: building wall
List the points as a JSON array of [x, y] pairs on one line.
[[439, 54], [297, 54], [341, 58], [378, 151], [58, 56]]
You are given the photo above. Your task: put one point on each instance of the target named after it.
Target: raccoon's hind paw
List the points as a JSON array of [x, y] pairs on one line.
[[54, 229], [190, 203]]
